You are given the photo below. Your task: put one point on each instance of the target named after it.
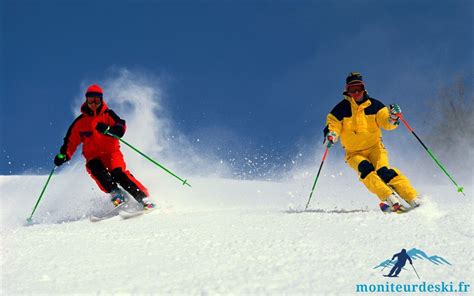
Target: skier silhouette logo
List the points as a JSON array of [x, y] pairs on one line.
[[399, 260], [402, 258]]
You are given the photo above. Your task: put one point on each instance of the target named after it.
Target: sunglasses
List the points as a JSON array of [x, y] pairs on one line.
[[93, 100]]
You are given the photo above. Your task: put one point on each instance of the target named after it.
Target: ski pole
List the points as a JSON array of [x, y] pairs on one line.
[[459, 188], [185, 182], [41, 195], [386, 265], [415, 271], [317, 176]]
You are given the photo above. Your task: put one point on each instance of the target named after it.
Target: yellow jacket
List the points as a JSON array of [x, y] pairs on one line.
[[358, 126]]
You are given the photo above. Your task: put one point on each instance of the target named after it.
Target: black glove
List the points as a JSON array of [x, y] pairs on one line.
[[117, 130], [60, 159], [102, 128], [112, 131]]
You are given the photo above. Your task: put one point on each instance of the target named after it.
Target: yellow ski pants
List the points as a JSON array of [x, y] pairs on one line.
[[377, 175]]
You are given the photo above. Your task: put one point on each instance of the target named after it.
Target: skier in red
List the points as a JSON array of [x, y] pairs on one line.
[[104, 160]]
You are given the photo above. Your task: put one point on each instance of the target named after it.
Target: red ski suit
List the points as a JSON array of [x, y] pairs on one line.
[[105, 161]]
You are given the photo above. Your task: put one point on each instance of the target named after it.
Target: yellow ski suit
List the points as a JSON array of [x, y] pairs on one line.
[[359, 129]]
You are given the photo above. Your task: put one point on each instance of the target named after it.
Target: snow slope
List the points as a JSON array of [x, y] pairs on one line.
[[223, 236]]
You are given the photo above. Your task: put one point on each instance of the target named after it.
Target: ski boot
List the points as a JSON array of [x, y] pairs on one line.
[[416, 202], [147, 204], [144, 201], [392, 205], [385, 207], [117, 197]]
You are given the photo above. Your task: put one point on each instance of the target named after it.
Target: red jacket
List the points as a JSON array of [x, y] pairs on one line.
[[94, 143]]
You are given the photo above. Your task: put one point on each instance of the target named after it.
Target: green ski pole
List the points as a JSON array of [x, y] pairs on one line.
[[29, 220], [459, 188], [185, 182], [317, 176]]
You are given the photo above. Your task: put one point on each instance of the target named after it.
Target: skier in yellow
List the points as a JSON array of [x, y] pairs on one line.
[[357, 120]]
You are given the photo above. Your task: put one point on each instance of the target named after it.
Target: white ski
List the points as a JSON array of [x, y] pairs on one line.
[[110, 214], [130, 214]]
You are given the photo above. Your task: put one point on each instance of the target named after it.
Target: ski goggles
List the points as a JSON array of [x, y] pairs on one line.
[[93, 100], [355, 89]]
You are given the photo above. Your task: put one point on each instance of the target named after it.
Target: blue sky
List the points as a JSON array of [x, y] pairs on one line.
[[266, 72]]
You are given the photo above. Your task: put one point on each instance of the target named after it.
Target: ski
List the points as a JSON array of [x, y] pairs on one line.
[[93, 218], [406, 210], [400, 212], [128, 215], [125, 210], [110, 214]]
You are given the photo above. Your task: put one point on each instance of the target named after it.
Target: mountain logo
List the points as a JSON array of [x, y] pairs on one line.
[[399, 260], [416, 254]]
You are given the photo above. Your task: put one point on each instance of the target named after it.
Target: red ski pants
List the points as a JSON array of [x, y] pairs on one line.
[[109, 170]]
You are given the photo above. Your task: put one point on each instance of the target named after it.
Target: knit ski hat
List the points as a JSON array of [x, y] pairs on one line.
[[94, 91], [354, 78]]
